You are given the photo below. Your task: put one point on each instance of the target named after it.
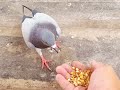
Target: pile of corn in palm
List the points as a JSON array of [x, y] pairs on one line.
[[80, 77]]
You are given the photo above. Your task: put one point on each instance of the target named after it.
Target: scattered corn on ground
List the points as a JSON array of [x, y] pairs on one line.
[[80, 77]]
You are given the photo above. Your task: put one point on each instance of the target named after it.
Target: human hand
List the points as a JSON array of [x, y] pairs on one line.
[[102, 78], [63, 73]]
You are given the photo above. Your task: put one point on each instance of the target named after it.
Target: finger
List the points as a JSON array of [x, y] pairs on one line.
[[95, 64], [67, 67], [66, 85], [78, 65], [62, 71], [80, 88]]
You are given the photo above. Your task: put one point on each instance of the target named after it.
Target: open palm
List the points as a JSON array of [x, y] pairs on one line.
[[63, 73]]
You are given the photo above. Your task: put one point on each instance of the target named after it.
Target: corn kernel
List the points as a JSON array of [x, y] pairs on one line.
[[75, 83], [72, 73], [77, 69], [73, 68], [81, 76], [69, 79]]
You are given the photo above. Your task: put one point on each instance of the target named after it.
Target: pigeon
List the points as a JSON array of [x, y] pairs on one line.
[[40, 31]]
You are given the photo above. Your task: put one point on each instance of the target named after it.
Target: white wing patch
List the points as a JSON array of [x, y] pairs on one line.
[[27, 26]]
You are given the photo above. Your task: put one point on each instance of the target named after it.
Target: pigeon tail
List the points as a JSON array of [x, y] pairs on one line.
[[33, 11]]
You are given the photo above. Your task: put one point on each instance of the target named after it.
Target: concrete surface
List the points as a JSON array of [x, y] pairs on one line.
[[90, 31]]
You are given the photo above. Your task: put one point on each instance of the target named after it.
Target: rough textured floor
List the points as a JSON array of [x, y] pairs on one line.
[[90, 31]]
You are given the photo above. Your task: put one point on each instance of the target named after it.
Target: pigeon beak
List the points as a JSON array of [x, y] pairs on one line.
[[54, 47]]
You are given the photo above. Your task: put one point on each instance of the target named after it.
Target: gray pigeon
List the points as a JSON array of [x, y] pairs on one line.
[[39, 32]]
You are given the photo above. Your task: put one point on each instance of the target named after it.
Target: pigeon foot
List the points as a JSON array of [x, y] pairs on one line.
[[45, 63]]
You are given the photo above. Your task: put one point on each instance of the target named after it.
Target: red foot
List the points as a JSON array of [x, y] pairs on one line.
[[45, 63]]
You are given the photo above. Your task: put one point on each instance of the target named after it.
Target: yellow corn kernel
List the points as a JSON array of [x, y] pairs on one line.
[[82, 73], [72, 73], [73, 68], [79, 83], [69, 79], [81, 77], [75, 83], [77, 69]]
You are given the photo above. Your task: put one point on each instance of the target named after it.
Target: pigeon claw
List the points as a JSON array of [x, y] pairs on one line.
[[45, 63]]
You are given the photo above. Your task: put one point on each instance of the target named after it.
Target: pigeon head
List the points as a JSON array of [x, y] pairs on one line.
[[47, 37], [43, 38]]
